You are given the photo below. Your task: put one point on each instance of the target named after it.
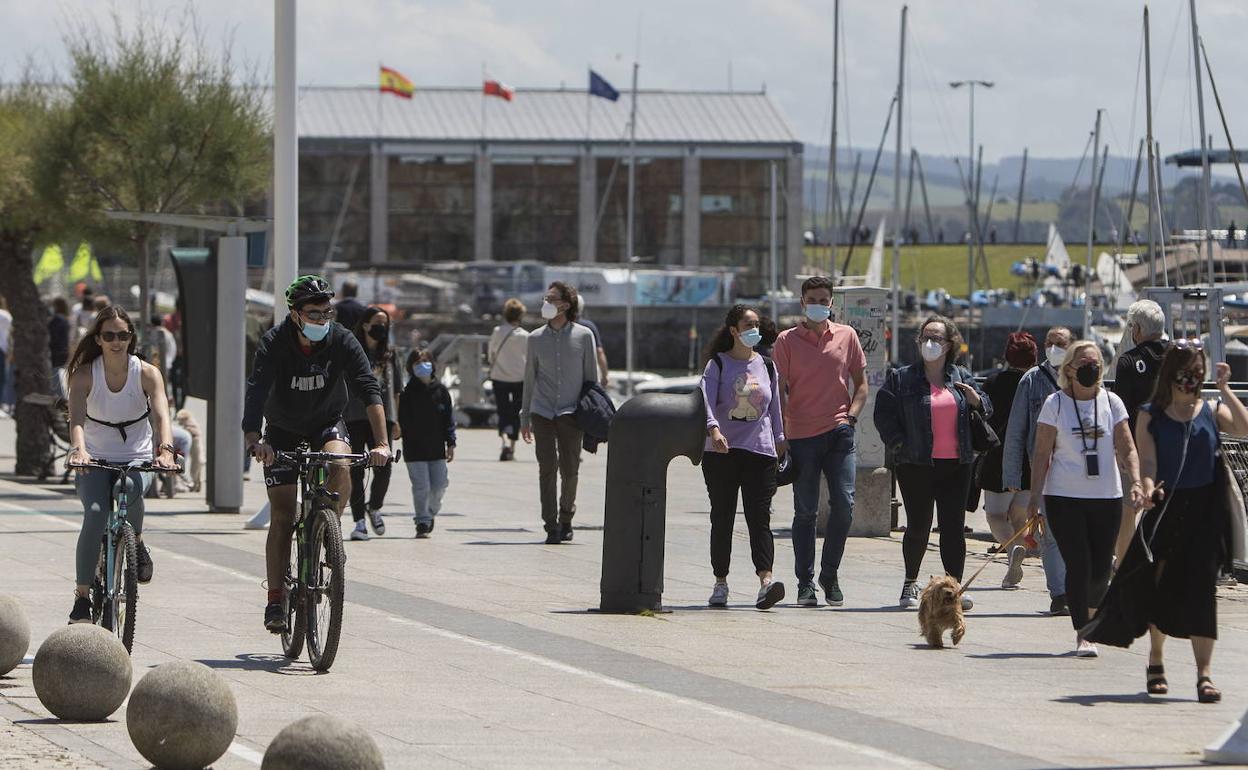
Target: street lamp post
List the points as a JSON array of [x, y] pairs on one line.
[[972, 205]]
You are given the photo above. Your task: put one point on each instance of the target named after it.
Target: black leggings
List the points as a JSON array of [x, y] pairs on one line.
[[944, 484], [1085, 531], [361, 441], [755, 476], [507, 397]]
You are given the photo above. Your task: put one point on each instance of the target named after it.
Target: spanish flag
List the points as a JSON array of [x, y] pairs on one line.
[[393, 81]]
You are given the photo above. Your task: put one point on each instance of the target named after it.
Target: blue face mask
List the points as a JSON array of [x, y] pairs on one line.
[[751, 337], [423, 369], [818, 313], [316, 332]]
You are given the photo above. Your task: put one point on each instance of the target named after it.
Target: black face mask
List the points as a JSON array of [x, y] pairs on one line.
[[379, 333], [1088, 374]]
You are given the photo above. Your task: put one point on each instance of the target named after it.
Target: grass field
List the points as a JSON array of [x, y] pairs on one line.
[[944, 266]]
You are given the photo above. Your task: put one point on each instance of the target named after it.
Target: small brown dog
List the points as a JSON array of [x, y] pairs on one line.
[[940, 608]]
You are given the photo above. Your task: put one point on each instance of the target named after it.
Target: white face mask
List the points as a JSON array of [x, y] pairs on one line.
[[1055, 355], [549, 311], [931, 350]]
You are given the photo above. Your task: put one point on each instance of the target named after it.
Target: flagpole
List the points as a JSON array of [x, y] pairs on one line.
[[589, 109], [483, 79], [630, 256], [380, 96]]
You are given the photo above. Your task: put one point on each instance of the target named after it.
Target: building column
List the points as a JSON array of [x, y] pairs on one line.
[[379, 206], [587, 207], [691, 216], [483, 208], [792, 199]]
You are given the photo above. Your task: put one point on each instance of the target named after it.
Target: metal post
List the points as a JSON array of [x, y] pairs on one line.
[[629, 247], [1087, 275], [901, 75], [774, 285], [285, 158], [1206, 214], [1152, 158]]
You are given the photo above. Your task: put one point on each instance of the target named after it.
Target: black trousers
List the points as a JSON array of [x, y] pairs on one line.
[[942, 484], [754, 476], [1085, 531], [507, 398], [361, 440]]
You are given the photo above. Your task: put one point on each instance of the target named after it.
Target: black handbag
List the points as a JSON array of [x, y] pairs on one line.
[[786, 470], [983, 437]]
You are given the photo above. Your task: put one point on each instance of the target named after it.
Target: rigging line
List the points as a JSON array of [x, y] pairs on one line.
[[940, 108], [866, 196], [1174, 30], [1074, 183]]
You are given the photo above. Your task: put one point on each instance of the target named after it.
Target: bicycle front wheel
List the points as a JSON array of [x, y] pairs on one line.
[[326, 584], [293, 605], [120, 611]]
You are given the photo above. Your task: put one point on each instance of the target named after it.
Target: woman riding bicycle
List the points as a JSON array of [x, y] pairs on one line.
[[112, 392]]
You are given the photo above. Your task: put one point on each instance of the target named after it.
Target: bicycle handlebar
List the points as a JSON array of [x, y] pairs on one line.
[[298, 456], [143, 466]]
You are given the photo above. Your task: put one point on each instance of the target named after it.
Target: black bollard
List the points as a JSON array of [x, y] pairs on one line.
[[647, 433]]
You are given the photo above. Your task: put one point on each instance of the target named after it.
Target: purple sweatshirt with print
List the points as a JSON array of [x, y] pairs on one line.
[[741, 400]]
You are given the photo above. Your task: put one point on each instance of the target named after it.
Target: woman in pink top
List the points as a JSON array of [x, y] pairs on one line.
[[923, 413]]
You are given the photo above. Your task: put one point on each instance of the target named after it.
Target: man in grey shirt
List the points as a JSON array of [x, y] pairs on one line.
[[562, 357]]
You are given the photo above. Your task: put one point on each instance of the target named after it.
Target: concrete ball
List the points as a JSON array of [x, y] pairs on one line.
[[82, 672], [182, 715], [14, 634], [322, 742]]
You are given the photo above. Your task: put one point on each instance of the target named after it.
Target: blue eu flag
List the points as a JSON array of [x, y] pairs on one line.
[[598, 86]]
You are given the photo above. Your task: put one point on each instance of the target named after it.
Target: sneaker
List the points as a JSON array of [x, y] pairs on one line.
[[1086, 649], [553, 537], [832, 592], [374, 518], [143, 564], [81, 613], [423, 530], [275, 618], [967, 603], [1014, 573], [806, 595], [719, 595], [505, 454], [565, 531], [909, 595], [360, 532], [1058, 606], [768, 595]]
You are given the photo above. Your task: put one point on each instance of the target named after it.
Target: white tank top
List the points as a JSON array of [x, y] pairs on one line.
[[105, 442]]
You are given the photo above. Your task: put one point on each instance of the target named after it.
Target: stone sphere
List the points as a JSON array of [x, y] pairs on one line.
[[322, 743], [182, 715], [82, 672], [14, 634]]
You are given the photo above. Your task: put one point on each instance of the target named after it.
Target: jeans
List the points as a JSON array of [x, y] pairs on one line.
[[1051, 558], [95, 491], [361, 441], [1085, 530], [6, 385], [942, 484], [754, 475], [429, 483], [507, 397], [830, 455], [558, 444]]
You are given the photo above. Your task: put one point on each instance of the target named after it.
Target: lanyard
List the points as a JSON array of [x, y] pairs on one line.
[[1096, 423]]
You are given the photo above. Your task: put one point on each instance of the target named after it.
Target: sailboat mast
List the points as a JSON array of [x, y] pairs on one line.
[[901, 78], [1018, 211], [1087, 273], [1206, 215], [1152, 158], [833, 194]]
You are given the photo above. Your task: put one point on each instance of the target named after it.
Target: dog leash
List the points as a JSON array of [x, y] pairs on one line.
[[1030, 526]]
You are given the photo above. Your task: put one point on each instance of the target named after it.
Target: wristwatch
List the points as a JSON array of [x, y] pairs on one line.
[[852, 419]]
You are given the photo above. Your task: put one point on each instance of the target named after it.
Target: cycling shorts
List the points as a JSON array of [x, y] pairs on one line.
[[284, 440]]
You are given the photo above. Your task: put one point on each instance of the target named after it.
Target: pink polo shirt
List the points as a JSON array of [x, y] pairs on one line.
[[818, 369]]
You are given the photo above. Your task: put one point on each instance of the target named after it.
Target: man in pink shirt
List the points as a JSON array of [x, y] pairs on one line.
[[823, 388]]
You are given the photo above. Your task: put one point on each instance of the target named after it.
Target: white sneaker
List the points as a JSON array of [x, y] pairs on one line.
[[1086, 649], [1014, 573], [909, 595], [967, 603], [374, 518], [769, 595], [719, 595], [360, 532]]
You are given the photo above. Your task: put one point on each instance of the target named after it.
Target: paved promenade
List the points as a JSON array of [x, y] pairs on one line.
[[478, 647]]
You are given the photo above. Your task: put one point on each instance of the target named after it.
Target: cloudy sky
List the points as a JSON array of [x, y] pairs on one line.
[[1054, 61]]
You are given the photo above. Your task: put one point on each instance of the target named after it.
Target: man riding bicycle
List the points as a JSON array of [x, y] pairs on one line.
[[299, 383]]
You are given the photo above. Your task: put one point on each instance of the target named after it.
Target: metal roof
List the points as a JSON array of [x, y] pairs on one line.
[[541, 115]]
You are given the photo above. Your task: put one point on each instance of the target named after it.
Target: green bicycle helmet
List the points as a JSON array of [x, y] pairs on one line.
[[308, 288]]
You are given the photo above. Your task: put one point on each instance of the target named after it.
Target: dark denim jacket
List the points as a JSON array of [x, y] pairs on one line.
[[903, 413]]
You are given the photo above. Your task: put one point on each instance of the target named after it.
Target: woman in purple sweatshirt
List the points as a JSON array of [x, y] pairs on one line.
[[744, 435]]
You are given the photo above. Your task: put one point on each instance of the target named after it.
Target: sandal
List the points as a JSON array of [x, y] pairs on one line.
[[1157, 684], [1206, 692]]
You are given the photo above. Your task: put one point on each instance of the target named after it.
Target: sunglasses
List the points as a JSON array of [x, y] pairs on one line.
[[119, 336], [1189, 344], [319, 315]]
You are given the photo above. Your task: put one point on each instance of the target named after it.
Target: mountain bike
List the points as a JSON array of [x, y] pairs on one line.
[[316, 575], [114, 592]]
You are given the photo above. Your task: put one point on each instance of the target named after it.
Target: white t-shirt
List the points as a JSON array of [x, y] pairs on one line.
[[6, 325], [1083, 424]]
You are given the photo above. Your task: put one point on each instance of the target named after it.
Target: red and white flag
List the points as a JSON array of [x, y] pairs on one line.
[[498, 88]]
